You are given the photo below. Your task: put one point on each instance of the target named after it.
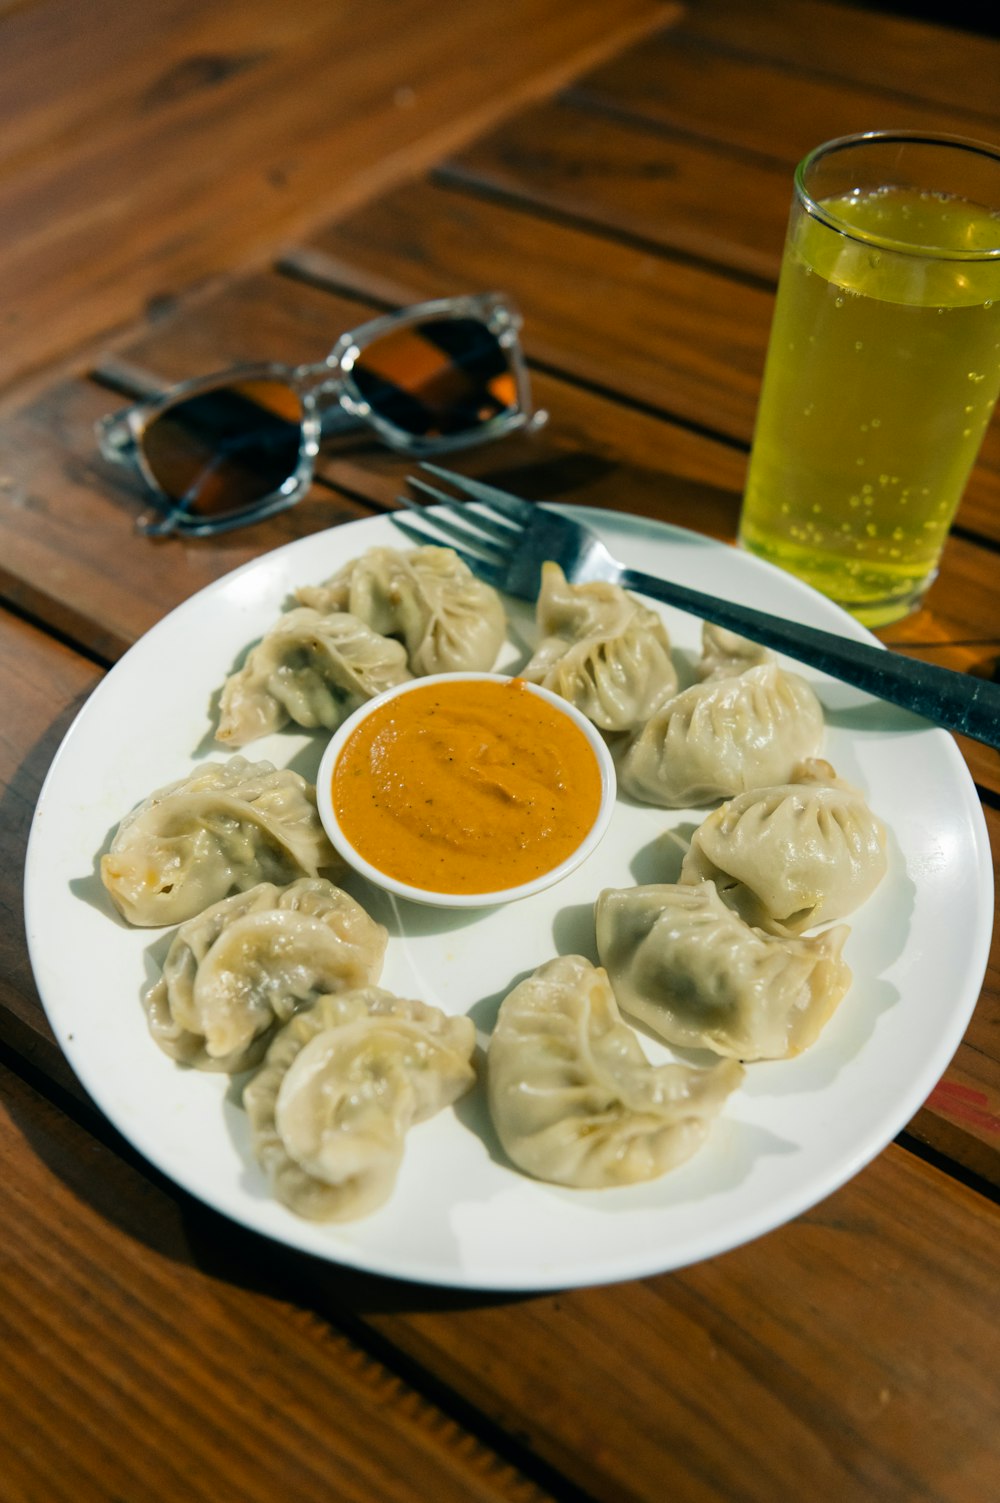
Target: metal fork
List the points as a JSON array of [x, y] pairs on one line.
[[505, 541]]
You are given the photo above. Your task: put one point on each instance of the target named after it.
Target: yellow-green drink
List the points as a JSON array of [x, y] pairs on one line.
[[883, 368]]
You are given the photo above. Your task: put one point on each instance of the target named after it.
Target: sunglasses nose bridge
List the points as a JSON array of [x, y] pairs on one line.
[[115, 439]]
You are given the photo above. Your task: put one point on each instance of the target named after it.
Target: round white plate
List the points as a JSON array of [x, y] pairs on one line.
[[461, 1215]]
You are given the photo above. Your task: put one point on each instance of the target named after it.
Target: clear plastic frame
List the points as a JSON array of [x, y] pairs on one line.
[[343, 392]]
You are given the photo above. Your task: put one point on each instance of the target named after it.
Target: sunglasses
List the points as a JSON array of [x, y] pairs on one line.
[[229, 449]]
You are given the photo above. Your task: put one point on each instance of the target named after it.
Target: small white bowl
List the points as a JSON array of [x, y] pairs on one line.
[[324, 799]]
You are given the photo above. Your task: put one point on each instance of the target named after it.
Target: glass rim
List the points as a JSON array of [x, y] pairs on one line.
[[817, 210]]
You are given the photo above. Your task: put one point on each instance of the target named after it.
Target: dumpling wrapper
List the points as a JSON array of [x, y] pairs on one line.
[[789, 858], [311, 669], [725, 654], [723, 736], [340, 1088], [572, 1095], [222, 829], [245, 965], [602, 650], [694, 973], [448, 620]]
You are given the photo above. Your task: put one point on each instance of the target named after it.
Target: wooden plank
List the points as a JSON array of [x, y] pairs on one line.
[[678, 195], [849, 1348], [132, 1372], [207, 149], [728, 1379], [678, 80], [892, 54], [680, 339], [43, 685]]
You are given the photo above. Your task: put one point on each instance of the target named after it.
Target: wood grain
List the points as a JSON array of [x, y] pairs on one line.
[[892, 54], [163, 1381], [211, 135], [751, 102], [852, 1339]]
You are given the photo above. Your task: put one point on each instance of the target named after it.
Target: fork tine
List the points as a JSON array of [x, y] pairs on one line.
[[505, 532], [479, 566], [477, 490], [463, 531]]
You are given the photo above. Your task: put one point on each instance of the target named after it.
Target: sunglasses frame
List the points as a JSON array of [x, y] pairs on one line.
[[331, 402]]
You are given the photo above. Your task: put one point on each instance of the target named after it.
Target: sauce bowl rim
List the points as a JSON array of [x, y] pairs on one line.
[[428, 897]]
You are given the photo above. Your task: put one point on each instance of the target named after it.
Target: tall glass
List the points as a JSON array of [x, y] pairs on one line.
[[883, 366]]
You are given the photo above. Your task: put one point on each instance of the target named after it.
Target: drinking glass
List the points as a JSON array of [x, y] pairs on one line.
[[883, 366]]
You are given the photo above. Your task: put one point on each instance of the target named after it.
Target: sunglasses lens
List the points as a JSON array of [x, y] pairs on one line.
[[228, 448], [439, 378]]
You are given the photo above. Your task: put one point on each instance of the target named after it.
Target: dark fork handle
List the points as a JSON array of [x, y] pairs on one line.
[[957, 701]]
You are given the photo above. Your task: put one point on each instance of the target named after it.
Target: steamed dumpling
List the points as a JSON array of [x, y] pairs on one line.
[[342, 1084], [251, 961], [572, 1095], [684, 964], [448, 620], [724, 653], [223, 828], [311, 669], [723, 736], [789, 858], [602, 650]]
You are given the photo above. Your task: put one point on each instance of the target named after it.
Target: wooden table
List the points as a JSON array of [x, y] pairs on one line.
[[185, 185]]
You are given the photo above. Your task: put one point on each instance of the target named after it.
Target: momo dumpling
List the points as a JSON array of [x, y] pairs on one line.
[[341, 1085], [602, 650], [723, 736], [448, 620], [725, 653], [311, 669], [789, 858], [693, 972], [222, 829], [248, 963], [574, 1099]]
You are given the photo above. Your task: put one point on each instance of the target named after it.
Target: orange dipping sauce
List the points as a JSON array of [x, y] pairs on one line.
[[466, 787]]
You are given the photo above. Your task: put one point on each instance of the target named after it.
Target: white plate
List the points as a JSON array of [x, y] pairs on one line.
[[460, 1215]]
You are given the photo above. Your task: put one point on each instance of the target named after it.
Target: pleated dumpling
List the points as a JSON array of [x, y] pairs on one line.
[[725, 653], [448, 620], [341, 1085], [572, 1095], [602, 650], [788, 858], [691, 970], [245, 965], [723, 736], [311, 669], [223, 828]]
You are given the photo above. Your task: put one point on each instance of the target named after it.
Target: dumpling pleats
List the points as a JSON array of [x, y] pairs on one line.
[[223, 828], [448, 620], [245, 965], [572, 1095], [693, 972], [722, 737], [789, 858], [602, 650], [310, 669], [340, 1088]]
